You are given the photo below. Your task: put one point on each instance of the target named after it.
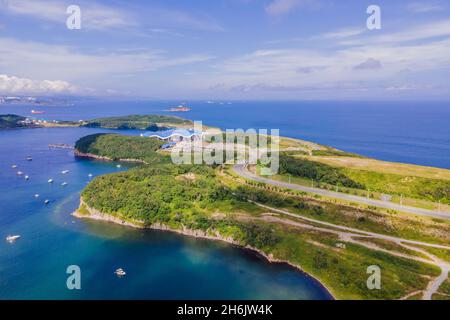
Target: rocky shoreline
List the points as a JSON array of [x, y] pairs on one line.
[[103, 158], [94, 214]]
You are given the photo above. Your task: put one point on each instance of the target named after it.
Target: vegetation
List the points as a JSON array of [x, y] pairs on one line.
[[196, 197], [11, 121], [115, 147], [138, 122], [329, 152], [409, 186], [315, 170], [192, 197]]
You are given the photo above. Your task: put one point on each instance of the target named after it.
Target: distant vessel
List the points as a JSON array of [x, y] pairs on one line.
[[36, 195], [27, 177], [119, 166], [180, 108], [90, 175], [65, 171], [12, 239], [50, 181], [64, 184], [19, 173], [37, 111], [14, 166], [29, 158], [120, 272], [47, 201], [60, 146]]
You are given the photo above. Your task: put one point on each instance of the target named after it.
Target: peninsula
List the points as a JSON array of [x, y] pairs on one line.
[[332, 240]]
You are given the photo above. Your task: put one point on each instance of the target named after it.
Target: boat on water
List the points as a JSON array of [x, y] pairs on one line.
[[14, 166], [36, 195], [50, 181], [12, 239], [65, 171], [180, 108], [120, 272], [29, 158], [90, 175], [47, 201], [119, 166], [27, 178], [37, 111], [19, 173], [64, 184]]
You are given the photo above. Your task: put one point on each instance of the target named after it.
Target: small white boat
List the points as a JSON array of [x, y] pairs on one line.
[[12, 239], [90, 175], [19, 173], [14, 166], [47, 201], [29, 158], [119, 166], [120, 272], [27, 177], [65, 171], [50, 181], [64, 184], [36, 195]]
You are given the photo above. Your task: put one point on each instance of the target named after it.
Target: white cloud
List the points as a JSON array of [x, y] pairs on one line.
[[104, 17], [36, 60], [424, 7], [278, 7], [369, 64], [94, 16], [15, 85], [342, 33]]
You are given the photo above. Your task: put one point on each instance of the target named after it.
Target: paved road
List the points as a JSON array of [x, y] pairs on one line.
[[241, 169]]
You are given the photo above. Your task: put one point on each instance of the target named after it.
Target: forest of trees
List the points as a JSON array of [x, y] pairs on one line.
[[115, 146], [10, 121], [138, 122], [317, 171]]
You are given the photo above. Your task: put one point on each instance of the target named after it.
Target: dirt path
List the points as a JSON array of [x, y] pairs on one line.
[[348, 234]]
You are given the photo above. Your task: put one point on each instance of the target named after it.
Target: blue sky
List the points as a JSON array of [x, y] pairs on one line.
[[227, 49]]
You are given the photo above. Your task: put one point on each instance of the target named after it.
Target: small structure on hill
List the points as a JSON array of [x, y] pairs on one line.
[[175, 135]]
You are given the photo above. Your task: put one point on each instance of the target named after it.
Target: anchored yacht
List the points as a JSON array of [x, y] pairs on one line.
[[12, 239]]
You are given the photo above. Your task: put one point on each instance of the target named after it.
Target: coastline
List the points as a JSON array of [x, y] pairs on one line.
[[94, 214], [80, 154]]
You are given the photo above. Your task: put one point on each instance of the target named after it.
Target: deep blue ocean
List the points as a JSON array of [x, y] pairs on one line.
[[162, 265]]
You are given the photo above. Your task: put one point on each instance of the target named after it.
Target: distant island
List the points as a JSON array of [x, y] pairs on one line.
[[333, 240], [132, 122], [138, 122], [12, 121], [33, 101]]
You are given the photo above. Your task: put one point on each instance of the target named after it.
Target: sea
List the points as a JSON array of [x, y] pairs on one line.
[[163, 265]]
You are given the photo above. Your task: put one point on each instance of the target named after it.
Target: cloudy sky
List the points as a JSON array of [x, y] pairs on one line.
[[227, 49]]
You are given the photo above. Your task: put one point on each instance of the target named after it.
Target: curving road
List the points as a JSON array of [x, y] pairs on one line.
[[241, 170]]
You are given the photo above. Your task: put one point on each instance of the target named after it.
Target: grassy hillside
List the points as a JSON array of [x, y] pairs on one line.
[[431, 184], [199, 198], [139, 122]]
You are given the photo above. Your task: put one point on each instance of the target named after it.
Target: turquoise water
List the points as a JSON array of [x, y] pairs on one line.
[[159, 265]]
